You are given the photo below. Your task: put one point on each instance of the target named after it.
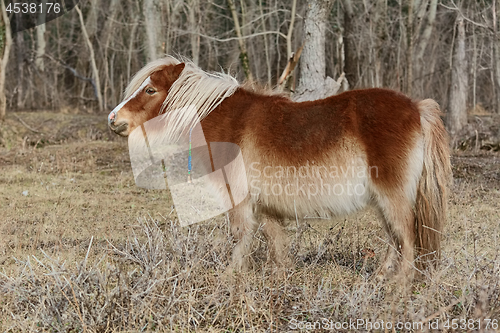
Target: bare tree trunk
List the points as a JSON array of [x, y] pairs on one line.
[[457, 106], [95, 72], [312, 83], [377, 35], [245, 63], [290, 30], [496, 56], [106, 34], [134, 13], [40, 47], [92, 17], [287, 78], [173, 9], [135, 24], [108, 25], [474, 66], [5, 45], [266, 47], [39, 60], [153, 32], [426, 34], [194, 28], [350, 57], [409, 49], [424, 41], [20, 52]]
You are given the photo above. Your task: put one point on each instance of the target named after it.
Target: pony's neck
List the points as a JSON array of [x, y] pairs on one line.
[[226, 122]]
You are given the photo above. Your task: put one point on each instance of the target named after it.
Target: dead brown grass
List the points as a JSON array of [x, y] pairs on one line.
[[84, 250]]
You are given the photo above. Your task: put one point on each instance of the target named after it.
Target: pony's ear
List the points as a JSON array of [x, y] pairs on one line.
[[171, 72], [177, 70]]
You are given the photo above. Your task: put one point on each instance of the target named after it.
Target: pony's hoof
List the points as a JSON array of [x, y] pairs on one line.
[[239, 266], [384, 273]]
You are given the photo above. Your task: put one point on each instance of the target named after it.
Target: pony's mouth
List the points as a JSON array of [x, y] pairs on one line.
[[119, 128]]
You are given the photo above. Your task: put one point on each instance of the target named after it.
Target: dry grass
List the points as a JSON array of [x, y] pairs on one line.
[[84, 250]]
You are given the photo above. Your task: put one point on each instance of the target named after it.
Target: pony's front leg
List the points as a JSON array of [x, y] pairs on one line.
[[277, 241], [243, 227]]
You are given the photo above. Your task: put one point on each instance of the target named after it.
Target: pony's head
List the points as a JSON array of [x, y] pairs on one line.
[[167, 85], [145, 95]]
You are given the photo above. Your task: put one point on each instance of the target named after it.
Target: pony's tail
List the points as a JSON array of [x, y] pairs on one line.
[[432, 191]]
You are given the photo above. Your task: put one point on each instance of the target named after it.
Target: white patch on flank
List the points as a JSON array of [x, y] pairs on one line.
[[414, 170]]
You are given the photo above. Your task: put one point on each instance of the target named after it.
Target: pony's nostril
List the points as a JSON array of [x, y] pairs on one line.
[[111, 117]]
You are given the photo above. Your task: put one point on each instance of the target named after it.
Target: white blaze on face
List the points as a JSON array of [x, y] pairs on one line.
[[113, 113]]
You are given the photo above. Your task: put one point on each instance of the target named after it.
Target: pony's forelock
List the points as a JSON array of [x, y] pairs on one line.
[[195, 87], [199, 91], [146, 72]]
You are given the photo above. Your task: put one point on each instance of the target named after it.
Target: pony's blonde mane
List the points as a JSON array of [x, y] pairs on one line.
[[195, 87]]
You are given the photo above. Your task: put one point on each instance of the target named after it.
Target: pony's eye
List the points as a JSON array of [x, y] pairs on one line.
[[150, 91]]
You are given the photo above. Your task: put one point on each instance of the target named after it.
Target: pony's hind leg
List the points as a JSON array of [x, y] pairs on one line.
[[243, 227], [399, 223]]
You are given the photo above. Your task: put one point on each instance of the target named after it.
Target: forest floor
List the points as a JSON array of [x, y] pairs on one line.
[[82, 249]]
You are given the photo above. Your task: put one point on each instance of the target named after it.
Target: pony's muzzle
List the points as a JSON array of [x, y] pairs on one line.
[[117, 127], [111, 117]]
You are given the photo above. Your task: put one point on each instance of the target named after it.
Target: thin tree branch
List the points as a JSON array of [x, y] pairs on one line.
[[230, 39], [290, 30], [290, 66], [455, 8], [76, 74]]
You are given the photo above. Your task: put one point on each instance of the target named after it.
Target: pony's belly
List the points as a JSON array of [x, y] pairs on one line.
[[336, 181], [328, 194]]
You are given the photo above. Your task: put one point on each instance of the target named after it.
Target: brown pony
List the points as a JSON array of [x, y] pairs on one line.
[[327, 157]]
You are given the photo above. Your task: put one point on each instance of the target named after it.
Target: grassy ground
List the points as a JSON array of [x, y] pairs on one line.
[[83, 249]]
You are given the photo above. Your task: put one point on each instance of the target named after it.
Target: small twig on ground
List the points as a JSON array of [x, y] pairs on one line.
[[26, 125]]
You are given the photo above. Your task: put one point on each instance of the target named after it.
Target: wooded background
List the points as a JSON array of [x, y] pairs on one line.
[[448, 50]]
